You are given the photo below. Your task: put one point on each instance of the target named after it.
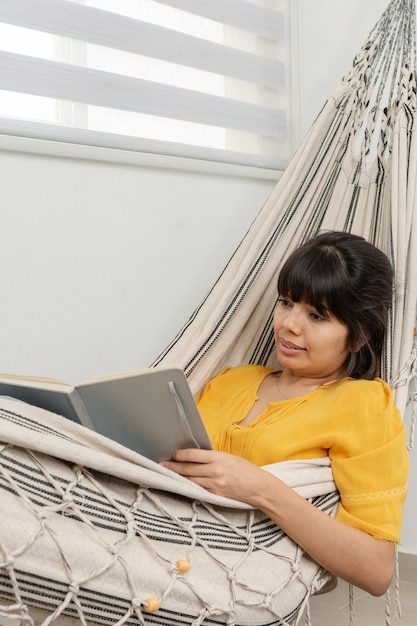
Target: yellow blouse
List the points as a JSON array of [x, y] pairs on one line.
[[354, 422]]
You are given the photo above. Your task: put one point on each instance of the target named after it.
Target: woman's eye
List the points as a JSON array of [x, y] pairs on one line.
[[316, 316], [283, 302]]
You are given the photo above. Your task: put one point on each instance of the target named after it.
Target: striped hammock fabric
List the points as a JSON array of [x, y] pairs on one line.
[[356, 171], [94, 533], [91, 532]]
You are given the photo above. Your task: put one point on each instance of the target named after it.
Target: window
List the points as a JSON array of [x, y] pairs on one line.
[[190, 78]]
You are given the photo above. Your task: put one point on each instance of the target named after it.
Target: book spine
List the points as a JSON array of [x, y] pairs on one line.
[[81, 411]]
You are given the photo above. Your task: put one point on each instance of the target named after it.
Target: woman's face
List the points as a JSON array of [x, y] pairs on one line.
[[307, 343]]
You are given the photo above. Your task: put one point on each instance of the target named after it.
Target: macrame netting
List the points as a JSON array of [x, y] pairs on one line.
[[91, 532]]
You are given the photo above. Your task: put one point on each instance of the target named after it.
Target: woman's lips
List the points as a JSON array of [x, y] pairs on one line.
[[288, 346]]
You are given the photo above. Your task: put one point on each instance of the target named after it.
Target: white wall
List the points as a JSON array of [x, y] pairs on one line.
[[101, 263], [331, 32]]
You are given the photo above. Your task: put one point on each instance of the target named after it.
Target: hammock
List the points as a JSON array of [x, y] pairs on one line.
[[112, 542], [355, 171], [91, 532]]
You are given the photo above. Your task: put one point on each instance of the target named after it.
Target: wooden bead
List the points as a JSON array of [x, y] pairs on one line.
[[151, 605], [183, 565]]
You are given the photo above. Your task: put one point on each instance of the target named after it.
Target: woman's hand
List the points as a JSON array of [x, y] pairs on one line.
[[221, 473]]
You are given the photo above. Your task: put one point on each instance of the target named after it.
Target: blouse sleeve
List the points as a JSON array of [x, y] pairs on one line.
[[370, 461]]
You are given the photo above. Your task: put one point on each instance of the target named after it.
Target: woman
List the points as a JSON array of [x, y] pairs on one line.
[[335, 293]]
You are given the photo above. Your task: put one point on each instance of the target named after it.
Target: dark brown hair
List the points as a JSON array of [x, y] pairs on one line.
[[344, 275]]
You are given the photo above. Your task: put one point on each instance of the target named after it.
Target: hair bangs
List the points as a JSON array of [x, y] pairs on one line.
[[319, 280]]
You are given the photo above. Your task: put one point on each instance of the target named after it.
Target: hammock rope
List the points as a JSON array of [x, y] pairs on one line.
[[136, 544], [108, 537]]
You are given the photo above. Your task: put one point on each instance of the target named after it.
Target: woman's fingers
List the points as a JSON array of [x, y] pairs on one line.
[[219, 472]]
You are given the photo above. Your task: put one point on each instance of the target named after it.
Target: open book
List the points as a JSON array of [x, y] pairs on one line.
[[151, 410]]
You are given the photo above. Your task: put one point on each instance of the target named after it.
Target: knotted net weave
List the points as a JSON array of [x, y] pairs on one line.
[[98, 534]]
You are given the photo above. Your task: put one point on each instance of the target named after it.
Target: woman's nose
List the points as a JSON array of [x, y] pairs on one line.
[[291, 321]]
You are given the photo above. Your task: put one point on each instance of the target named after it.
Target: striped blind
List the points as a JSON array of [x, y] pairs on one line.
[[200, 79]]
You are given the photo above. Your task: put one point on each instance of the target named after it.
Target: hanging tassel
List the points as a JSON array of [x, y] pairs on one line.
[[408, 376], [351, 607], [409, 369]]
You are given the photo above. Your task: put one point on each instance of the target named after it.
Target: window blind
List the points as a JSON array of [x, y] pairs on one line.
[[189, 78]]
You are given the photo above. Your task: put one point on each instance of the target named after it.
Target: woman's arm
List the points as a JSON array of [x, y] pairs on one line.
[[347, 552]]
